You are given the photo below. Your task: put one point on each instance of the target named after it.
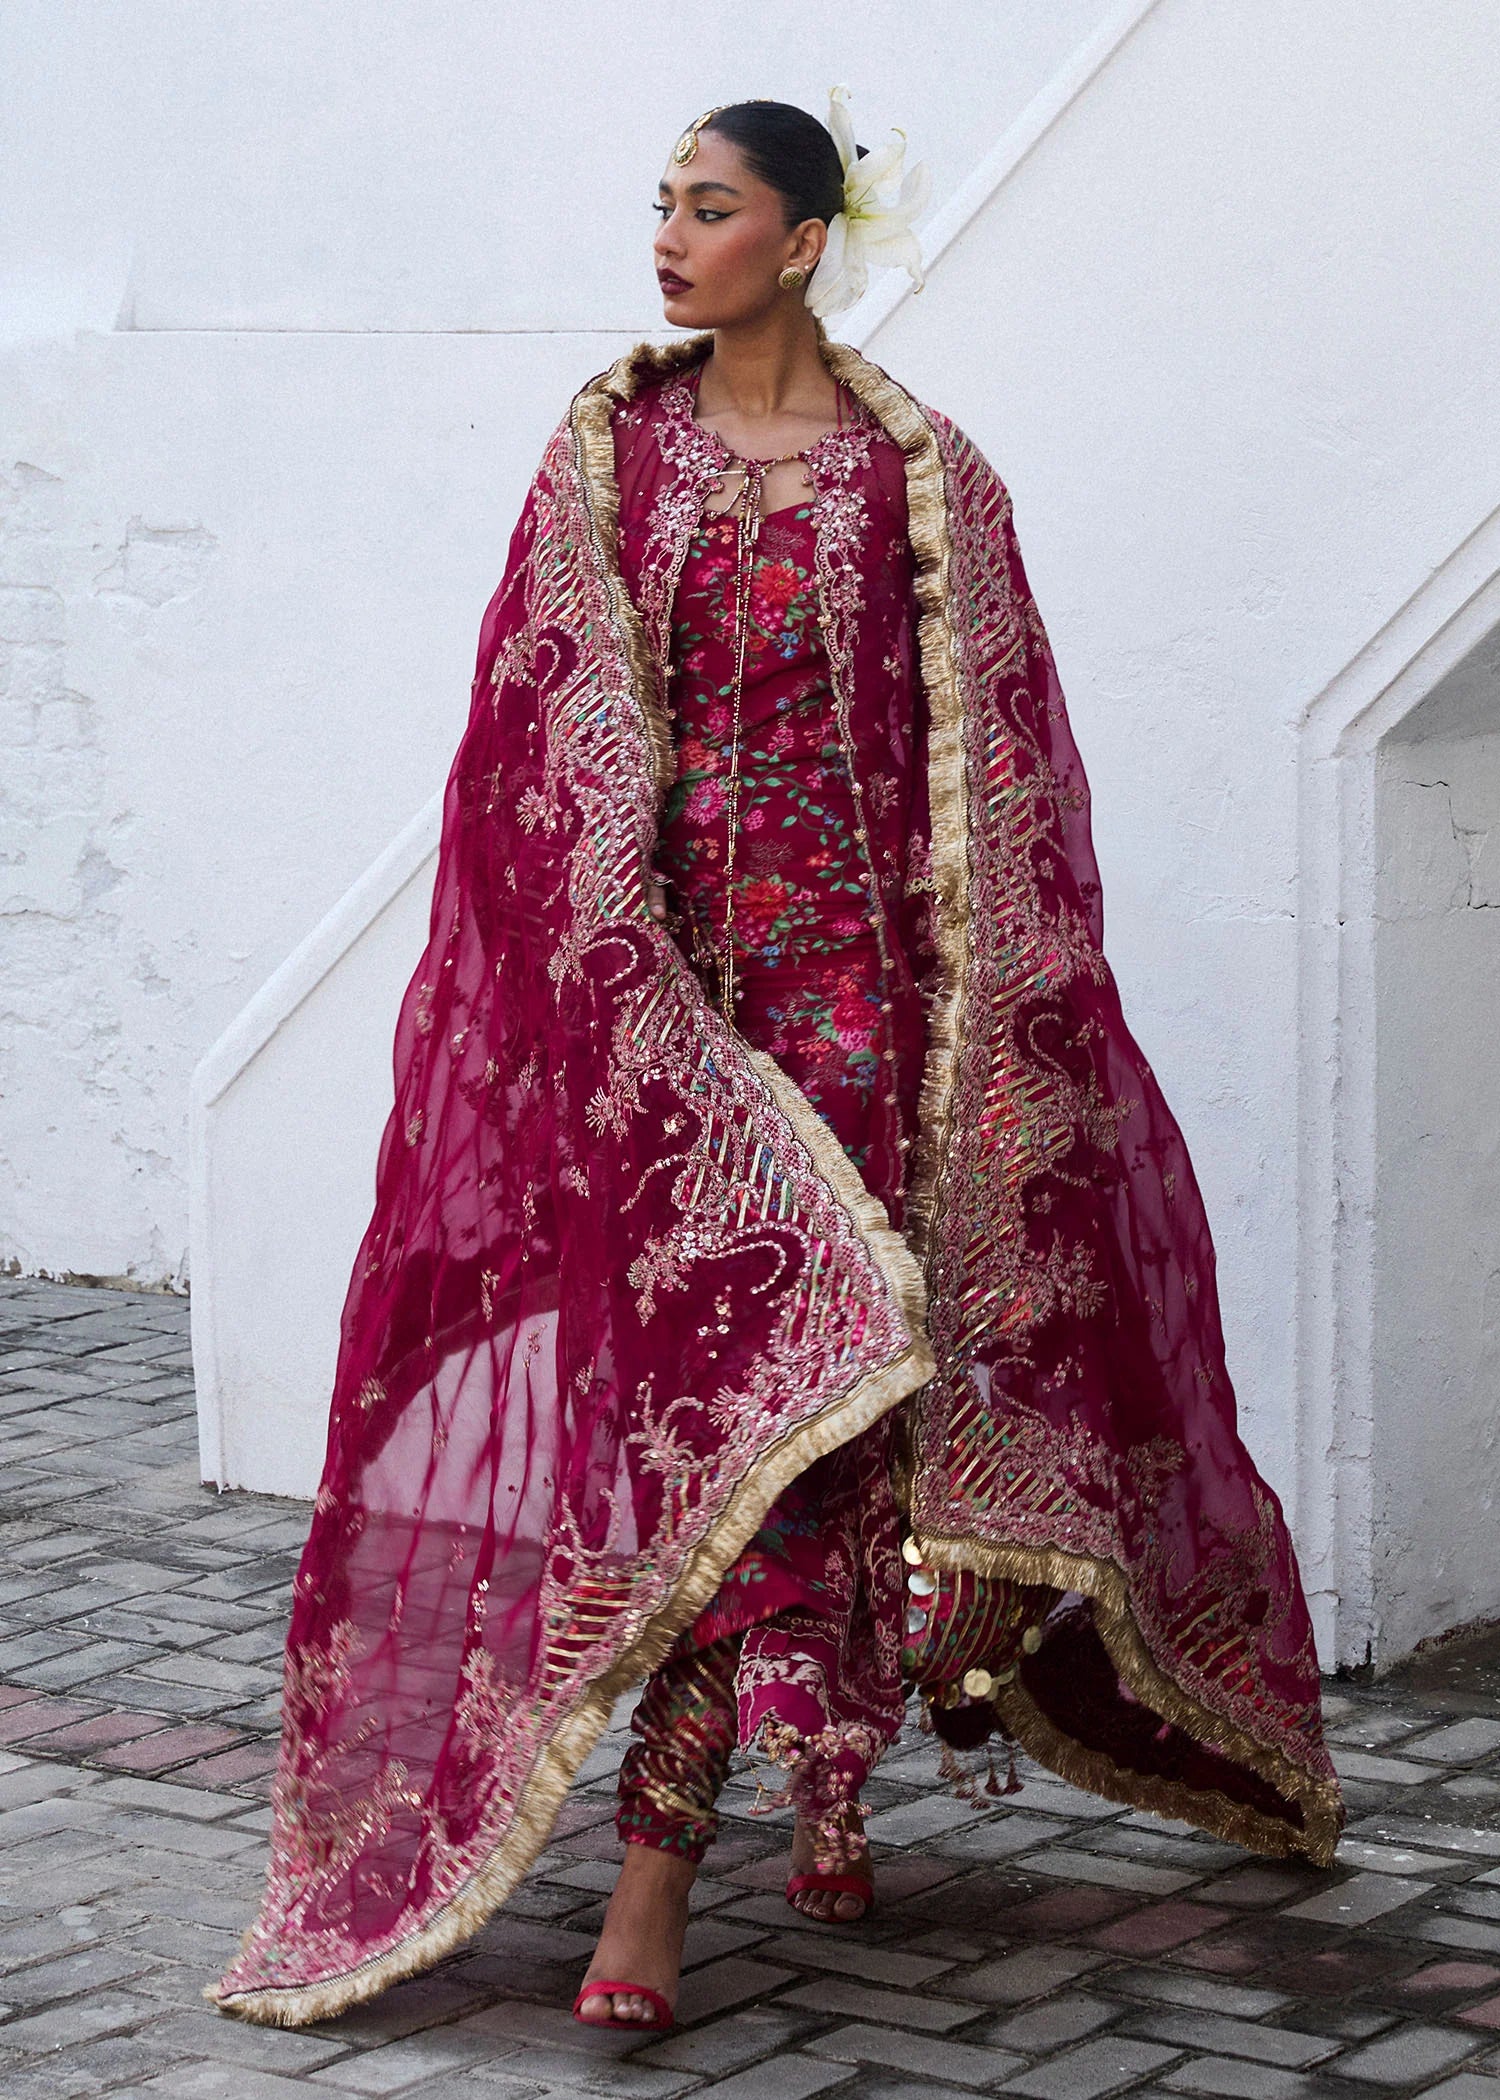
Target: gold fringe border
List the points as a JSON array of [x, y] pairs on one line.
[[1104, 1585], [874, 1396], [594, 455], [947, 772], [947, 784], [542, 1797]]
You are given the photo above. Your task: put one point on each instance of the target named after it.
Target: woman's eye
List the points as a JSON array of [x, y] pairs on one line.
[[704, 211]]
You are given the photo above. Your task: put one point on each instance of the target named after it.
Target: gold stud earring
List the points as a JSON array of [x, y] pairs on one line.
[[792, 279]]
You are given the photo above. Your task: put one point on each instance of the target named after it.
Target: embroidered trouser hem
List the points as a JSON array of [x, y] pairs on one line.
[[684, 1729]]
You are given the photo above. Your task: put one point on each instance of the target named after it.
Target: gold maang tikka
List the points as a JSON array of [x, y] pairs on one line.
[[687, 145]]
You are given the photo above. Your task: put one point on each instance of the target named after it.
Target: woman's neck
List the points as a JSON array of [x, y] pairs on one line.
[[767, 371]]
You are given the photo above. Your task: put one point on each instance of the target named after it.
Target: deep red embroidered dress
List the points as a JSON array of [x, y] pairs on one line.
[[642, 1275], [801, 812]]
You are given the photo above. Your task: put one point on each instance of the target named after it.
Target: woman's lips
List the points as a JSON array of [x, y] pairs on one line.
[[671, 282]]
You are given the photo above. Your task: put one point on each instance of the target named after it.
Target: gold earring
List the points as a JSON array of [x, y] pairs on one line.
[[792, 279]]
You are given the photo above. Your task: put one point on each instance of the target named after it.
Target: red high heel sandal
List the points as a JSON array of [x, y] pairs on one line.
[[662, 2014], [836, 1885]]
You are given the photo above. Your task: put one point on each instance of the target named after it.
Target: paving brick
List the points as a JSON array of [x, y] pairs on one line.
[[60, 2026], [31, 1713], [1359, 1899], [398, 2065], [1470, 1933], [915, 1821], [1238, 2079], [1227, 2037], [923, 2054], [999, 1837], [1444, 1983], [87, 1969], [573, 2071], [99, 1732], [1474, 1901], [1043, 1795], [845, 1957], [1069, 1864], [729, 2044], [1397, 1859], [1341, 2023], [1413, 2055], [162, 1797], [163, 1748], [82, 1663], [216, 2081], [248, 1768], [1460, 1743], [1440, 1837], [1163, 1925], [786, 2078], [109, 2063], [178, 1834], [1086, 2073], [1380, 1771], [1181, 1987], [36, 1780], [1017, 1978], [723, 1984], [1192, 1851], [1053, 2024], [859, 2001], [1063, 1911]]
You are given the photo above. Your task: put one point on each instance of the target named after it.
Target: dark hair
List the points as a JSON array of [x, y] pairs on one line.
[[791, 151]]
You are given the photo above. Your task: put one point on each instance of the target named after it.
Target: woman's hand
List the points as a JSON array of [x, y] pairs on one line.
[[656, 897]]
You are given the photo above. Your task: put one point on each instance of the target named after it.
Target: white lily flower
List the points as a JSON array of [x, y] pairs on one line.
[[874, 226]]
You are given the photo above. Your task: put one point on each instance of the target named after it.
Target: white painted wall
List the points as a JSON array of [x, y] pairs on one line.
[[1436, 1413], [1228, 326], [1230, 332], [290, 298]]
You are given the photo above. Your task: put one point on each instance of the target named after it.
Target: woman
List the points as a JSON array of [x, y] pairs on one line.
[[786, 1282]]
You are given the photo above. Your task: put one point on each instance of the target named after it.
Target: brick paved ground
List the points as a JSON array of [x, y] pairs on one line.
[[1051, 1947]]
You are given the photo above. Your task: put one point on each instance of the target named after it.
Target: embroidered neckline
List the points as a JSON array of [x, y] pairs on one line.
[[679, 399]]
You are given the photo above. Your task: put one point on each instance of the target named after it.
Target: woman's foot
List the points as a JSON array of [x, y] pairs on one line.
[[835, 1907], [641, 1940]]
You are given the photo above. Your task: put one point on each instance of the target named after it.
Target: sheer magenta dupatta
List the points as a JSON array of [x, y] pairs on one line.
[[622, 1284]]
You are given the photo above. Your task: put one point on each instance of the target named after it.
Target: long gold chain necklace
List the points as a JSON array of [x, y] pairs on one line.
[[744, 575], [751, 510]]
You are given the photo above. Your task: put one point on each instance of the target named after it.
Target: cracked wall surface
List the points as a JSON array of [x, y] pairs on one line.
[[88, 1006], [234, 658]]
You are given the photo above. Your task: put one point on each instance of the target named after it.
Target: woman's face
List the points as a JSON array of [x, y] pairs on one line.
[[723, 239]]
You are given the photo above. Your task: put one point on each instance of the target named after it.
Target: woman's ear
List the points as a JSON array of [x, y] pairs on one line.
[[810, 241]]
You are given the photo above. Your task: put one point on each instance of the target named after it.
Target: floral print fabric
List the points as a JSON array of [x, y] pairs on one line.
[[845, 1021], [807, 960]]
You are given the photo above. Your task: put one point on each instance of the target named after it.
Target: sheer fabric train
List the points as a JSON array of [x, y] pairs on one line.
[[543, 1455]]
